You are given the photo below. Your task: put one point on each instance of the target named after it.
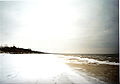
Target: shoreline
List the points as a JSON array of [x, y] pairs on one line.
[[103, 72]]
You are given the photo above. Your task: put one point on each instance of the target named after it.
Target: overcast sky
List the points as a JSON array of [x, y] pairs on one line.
[[71, 26]]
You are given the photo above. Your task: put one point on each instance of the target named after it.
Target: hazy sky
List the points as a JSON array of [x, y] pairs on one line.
[[72, 26]]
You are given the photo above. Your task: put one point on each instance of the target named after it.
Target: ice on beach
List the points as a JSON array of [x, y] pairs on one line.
[[39, 69]]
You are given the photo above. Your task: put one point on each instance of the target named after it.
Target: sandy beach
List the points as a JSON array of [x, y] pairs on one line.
[[107, 73], [40, 69]]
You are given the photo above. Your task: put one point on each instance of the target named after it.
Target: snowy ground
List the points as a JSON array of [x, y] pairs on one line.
[[40, 69]]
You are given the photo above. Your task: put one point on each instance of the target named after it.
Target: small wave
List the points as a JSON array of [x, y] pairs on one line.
[[79, 60]]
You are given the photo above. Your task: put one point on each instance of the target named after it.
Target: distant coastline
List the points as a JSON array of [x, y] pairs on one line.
[[16, 50]]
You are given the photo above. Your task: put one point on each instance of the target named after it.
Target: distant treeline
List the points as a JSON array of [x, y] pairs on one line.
[[15, 50]]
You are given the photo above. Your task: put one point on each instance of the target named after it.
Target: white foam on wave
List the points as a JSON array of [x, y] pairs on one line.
[[79, 60]]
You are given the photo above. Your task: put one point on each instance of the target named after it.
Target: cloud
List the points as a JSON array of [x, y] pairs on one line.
[[74, 25]]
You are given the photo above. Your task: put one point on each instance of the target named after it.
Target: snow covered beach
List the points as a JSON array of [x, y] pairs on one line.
[[40, 69]]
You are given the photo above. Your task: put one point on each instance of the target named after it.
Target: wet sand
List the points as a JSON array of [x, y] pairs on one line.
[[104, 72]]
